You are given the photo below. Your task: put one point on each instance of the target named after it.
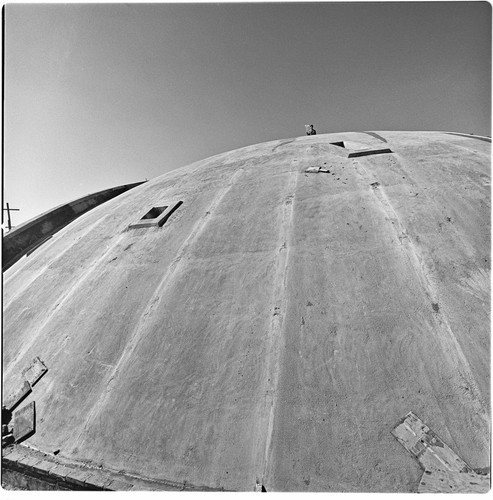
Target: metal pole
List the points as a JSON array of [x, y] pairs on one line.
[[8, 210], [8, 216]]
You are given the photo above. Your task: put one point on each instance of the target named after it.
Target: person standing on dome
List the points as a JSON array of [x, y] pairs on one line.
[[310, 130]]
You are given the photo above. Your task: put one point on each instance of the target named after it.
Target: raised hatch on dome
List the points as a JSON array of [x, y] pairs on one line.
[[359, 149], [156, 216]]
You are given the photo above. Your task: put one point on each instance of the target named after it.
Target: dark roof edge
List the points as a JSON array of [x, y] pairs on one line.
[[31, 234]]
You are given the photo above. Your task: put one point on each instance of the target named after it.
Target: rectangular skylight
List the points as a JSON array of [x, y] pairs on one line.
[[156, 216], [154, 212]]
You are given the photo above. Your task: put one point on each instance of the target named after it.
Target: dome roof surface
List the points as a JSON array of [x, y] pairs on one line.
[[277, 326]]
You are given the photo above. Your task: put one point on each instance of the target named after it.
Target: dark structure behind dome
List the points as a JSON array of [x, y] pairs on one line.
[[305, 296], [33, 233]]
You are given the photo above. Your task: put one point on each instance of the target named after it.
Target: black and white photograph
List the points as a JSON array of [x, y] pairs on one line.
[[246, 247]]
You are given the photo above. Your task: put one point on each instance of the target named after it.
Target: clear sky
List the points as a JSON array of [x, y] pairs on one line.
[[102, 95]]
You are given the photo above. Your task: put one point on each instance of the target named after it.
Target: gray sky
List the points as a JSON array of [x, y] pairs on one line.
[[102, 95]]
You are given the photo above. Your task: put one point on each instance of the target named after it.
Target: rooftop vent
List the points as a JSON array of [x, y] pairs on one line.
[[359, 149], [368, 152], [156, 216]]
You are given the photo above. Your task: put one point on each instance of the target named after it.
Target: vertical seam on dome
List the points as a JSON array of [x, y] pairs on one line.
[[59, 303], [55, 239], [277, 319], [423, 273], [140, 330]]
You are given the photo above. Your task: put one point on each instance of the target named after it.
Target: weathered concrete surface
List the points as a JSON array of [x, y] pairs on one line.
[[444, 470], [28, 236], [427, 447], [439, 481], [279, 324]]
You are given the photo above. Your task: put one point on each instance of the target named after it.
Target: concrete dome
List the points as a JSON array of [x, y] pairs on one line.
[[277, 326]]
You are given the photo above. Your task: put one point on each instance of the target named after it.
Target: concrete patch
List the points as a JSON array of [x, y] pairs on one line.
[[438, 481], [24, 422], [445, 471], [35, 371], [426, 446]]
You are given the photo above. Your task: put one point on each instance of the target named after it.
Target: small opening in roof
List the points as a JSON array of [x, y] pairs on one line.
[[340, 144], [156, 216], [154, 212]]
